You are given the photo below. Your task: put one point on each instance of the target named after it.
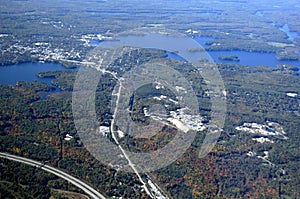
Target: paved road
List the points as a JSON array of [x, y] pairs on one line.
[[155, 189], [78, 183], [151, 192]]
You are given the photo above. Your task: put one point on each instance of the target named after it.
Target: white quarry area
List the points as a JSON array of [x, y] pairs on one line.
[[186, 122], [179, 119], [263, 140], [173, 101], [224, 93], [163, 97], [146, 112], [158, 85], [268, 129], [180, 89], [4, 35], [121, 134], [160, 97], [68, 137], [266, 155], [264, 158], [41, 44], [190, 31], [179, 124], [251, 154], [292, 94], [104, 130]]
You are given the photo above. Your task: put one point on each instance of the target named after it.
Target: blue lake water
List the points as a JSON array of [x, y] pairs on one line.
[[10, 75], [291, 35], [251, 58], [286, 29], [203, 40], [173, 44], [175, 56], [246, 58], [94, 42]]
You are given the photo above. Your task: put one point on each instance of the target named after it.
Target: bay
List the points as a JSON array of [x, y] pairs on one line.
[[11, 74]]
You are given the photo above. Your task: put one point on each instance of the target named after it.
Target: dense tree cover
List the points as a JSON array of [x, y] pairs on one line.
[[23, 181], [35, 127], [229, 58], [62, 79], [38, 135], [254, 94]]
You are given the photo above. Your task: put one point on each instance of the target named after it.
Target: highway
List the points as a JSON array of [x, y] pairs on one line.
[[78, 183]]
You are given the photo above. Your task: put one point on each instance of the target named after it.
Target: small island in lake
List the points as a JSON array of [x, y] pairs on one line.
[[229, 58]]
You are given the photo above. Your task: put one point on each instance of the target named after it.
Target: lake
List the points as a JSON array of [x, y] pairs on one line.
[[286, 29], [291, 35], [246, 58], [252, 58], [174, 44], [10, 75]]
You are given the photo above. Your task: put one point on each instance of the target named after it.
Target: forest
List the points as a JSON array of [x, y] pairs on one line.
[[36, 118], [35, 127]]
